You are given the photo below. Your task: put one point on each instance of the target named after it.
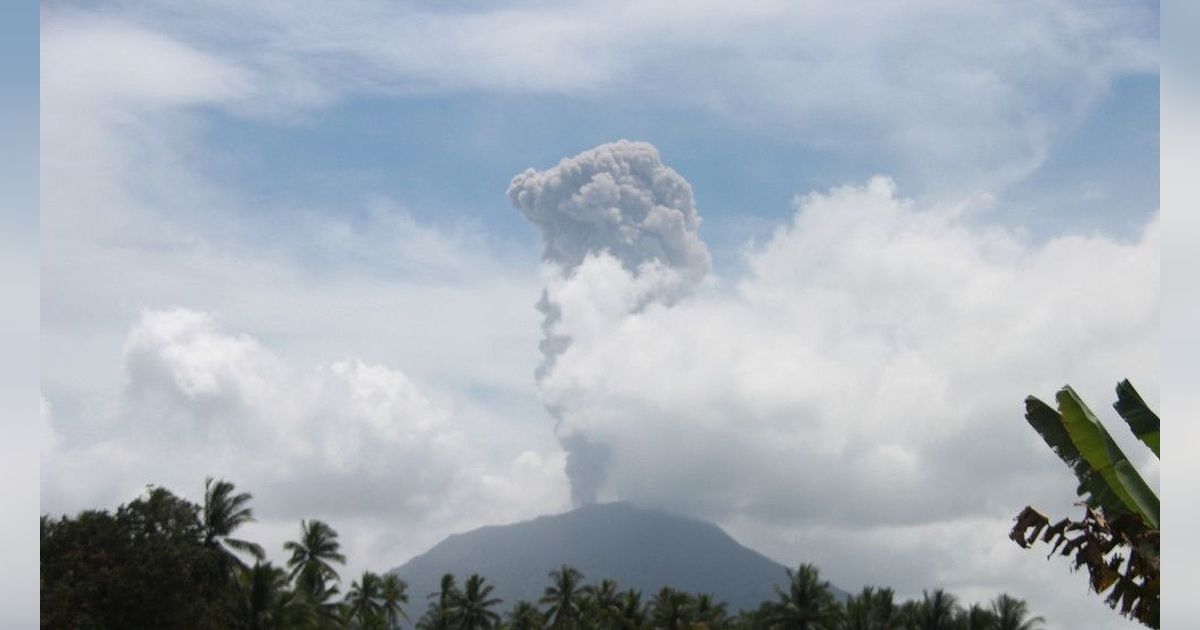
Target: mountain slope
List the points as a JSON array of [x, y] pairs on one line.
[[638, 548]]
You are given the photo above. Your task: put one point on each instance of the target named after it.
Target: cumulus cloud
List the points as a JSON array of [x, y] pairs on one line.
[[871, 338], [347, 441], [865, 375], [130, 199], [619, 201]]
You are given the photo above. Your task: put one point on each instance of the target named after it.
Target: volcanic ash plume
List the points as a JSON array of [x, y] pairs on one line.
[[617, 200]]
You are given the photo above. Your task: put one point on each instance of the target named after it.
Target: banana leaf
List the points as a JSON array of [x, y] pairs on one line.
[[1102, 453], [1092, 486], [1142, 421]]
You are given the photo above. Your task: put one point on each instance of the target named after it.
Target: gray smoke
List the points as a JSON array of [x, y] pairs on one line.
[[618, 199]]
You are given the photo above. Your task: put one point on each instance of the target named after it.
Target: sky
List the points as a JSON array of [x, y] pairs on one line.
[[413, 268], [19, 376]]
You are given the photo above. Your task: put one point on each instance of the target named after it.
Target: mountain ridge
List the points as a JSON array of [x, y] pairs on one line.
[[638, 547]]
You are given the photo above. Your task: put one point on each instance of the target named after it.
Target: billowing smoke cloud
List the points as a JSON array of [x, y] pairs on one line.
[[615, 203], [618, 198]]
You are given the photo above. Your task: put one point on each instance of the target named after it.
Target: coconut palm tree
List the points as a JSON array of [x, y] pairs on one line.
[[394, 596], [440, 615], [633, 614], [936, 611], [710, 612], [1013, 614], [671, 609], [363, 600], [525, 616], [564, 597], [858, 611], [807, 604], [975, 618], [266, 603], [873, 609], [311, 564], [224, 512], [472, 606], [603, 604], [260, 587]]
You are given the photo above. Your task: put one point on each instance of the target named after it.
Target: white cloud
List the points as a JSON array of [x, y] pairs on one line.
[[131, 224], [869, 337], [131, 221], [345, 441], [865, 377], [117, 63], [978, 89]]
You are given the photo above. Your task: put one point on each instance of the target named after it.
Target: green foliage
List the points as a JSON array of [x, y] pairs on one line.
[[224, 512], [162, 562], [1132, 409], [312, 560], [393, 597], [807, 604], [473, 606], [364, 601], [144, 566], [1117, 540], [564, 597], [1010, 613], [872, 609], [936, 611], [525, 616], [440, 615]]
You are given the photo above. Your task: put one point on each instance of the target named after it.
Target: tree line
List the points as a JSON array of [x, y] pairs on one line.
[[163, 562]]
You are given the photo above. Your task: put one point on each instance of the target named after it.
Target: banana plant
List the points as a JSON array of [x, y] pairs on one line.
[[1107, 480], [1121, 510]]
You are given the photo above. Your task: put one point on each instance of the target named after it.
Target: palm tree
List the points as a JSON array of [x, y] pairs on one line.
[[603, 603], [1013, 614], [710, 612], [563, 597], [672, 609], [525, 616], [975, 618], [907, 614], [808, 604], [222, 513], [937, 611], [873, 609], [440, 615], [472, 606], [363, 600], [260, 586], [633, 613], [858, 610], [266, 603], [312, 560], [394, 596]]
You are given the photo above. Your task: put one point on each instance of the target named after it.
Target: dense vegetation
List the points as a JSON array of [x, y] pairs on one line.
[[163, 562]]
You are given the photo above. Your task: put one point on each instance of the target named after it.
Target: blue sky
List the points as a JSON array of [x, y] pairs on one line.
[[283, 243], [18, 244], [1100, 173]]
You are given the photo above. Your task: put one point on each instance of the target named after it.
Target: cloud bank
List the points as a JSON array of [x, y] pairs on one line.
[[977, 89], [871, 338], [866, 375], [383, 456]]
